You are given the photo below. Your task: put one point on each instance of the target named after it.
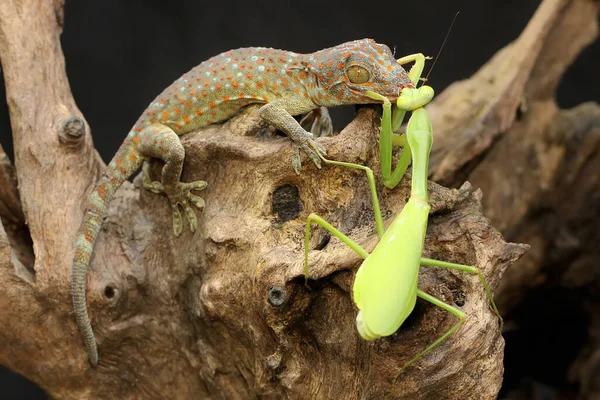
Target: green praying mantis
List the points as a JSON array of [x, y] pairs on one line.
[[386, 285]]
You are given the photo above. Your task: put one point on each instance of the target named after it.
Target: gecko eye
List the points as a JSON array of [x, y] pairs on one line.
[[358, 74]]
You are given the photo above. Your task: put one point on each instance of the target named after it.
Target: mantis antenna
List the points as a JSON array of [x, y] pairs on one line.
[[441, 47]]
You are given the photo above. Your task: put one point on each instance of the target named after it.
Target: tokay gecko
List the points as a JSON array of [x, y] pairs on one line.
[[286, 83]]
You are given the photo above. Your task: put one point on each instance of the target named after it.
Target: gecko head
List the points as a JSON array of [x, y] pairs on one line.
[[345, 72]]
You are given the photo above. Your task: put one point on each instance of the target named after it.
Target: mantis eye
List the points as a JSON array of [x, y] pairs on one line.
[[358, 74]]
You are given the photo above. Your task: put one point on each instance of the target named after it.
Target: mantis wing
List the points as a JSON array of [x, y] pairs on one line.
[[385, 288]]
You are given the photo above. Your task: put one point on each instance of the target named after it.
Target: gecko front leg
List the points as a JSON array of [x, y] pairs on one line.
[[160, 141], [279, 113]]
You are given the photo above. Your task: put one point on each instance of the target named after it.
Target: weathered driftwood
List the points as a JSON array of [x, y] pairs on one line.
[[538, 165], [223, 312]]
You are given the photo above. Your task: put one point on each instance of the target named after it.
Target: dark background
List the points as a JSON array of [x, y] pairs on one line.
[[121, 54]]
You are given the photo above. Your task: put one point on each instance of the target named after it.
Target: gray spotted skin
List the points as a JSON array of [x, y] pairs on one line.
[[287, 83]]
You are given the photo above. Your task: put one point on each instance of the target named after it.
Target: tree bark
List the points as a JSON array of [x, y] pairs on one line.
[[223, 312]]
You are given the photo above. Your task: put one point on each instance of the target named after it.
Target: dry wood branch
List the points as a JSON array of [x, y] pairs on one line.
[[224, 312], [537, 165]]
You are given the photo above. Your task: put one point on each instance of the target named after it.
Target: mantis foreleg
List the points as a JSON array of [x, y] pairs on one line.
[[409, 99]]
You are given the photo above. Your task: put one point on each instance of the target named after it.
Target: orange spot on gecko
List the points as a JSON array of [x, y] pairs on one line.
[[198, 112], [165, 115], [136, 140], [229, 77], [275, 86], [188, 103], [186, 119], [303, 75], [259, 85], [329, 63], [212, 104], [254, 96], [204, 93], [226, 98], [218, 86], [330, 74], [340, 65], [234, 84], [133, 157], [153, 121], [390, 68], [285, 82], [249, 75], [260, 61], [296, 90], [150, 112], [177, 111]]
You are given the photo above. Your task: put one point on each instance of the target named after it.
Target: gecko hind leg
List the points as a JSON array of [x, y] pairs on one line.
[[160, 141], [318, 122]]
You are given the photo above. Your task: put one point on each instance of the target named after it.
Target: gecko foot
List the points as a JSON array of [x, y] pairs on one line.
[[314, 149], [179, 194], [318, 122]]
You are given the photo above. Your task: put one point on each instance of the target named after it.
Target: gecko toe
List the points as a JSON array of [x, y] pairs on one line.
[[314, 156], [197, 185], [197, 201], [191, 217], [177, 220], [296, 163]]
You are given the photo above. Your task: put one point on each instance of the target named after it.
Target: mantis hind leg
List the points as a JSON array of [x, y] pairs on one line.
[[452, 310], [471, 270]]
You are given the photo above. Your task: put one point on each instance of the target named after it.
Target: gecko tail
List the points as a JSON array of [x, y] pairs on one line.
[[99, 199]]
